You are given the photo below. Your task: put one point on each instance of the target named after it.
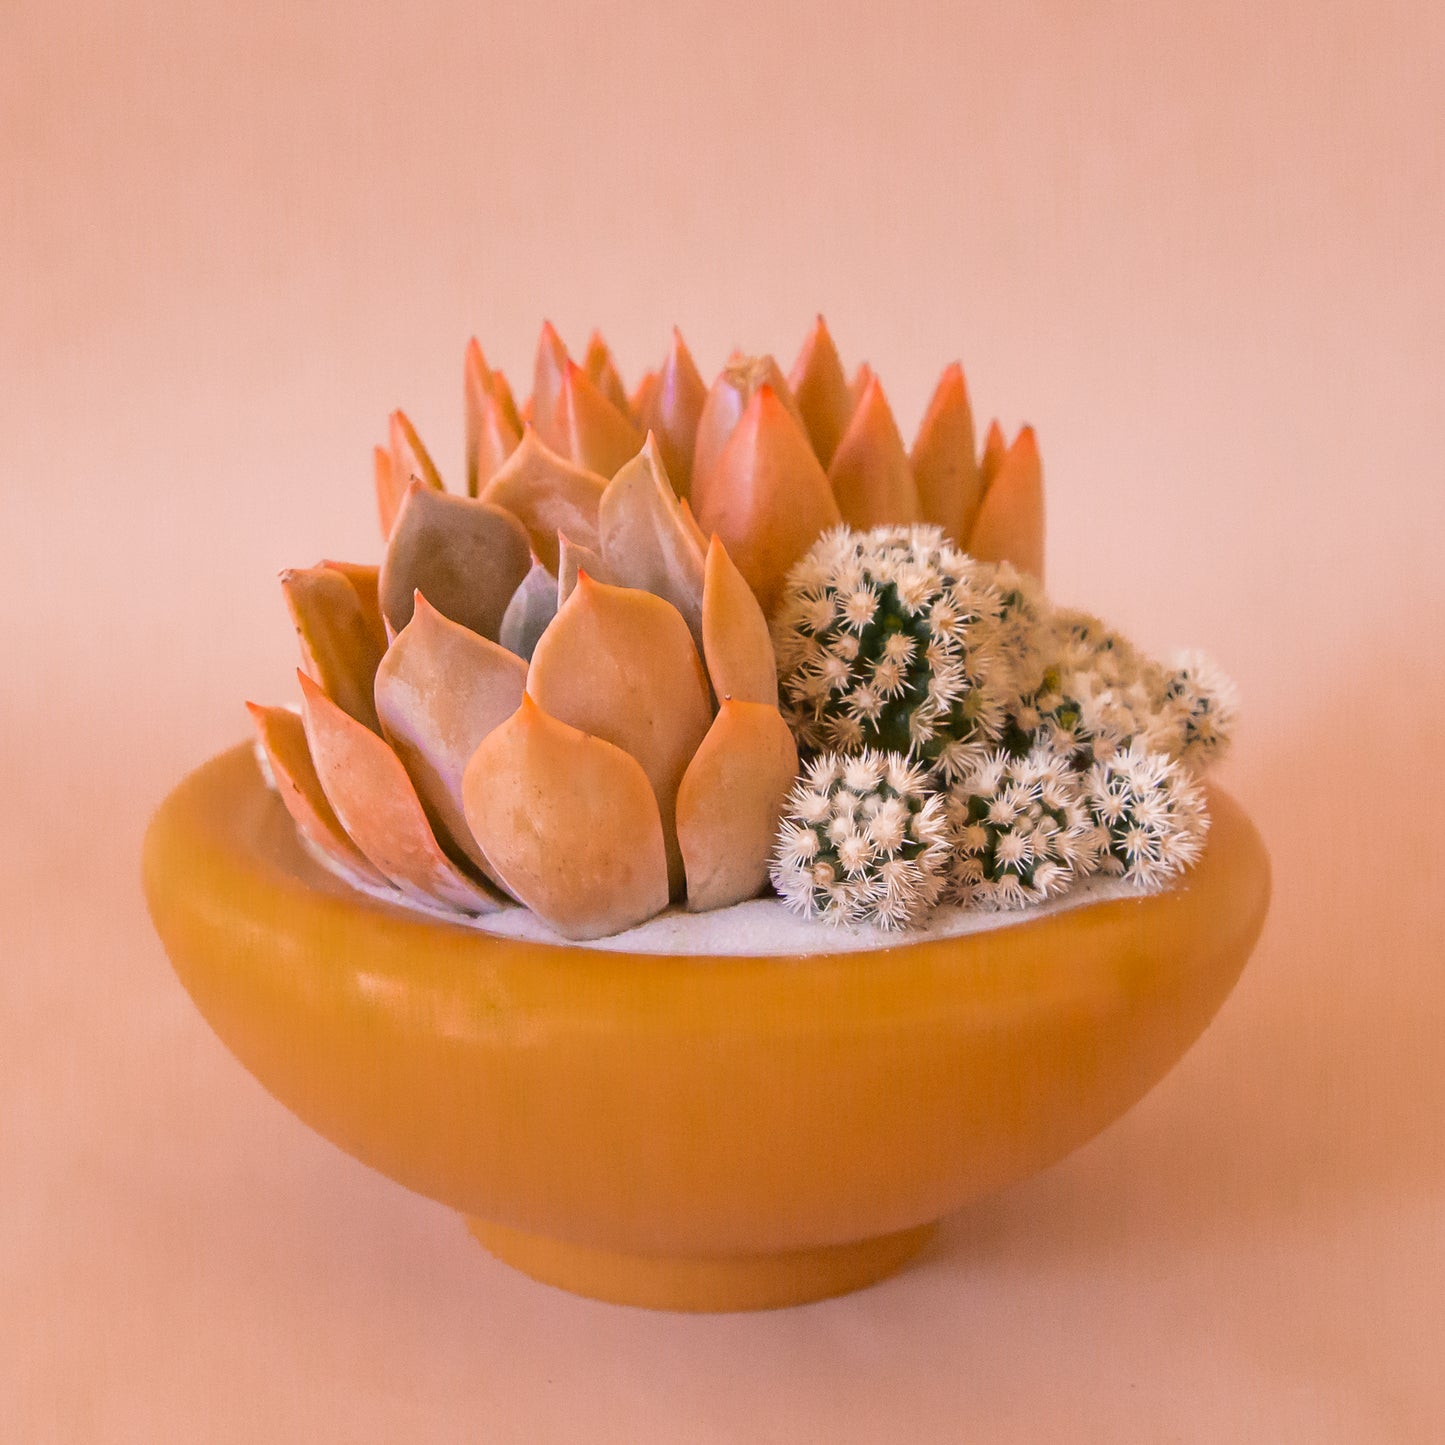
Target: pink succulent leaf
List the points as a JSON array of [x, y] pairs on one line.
[[465, 556], [366, 784]]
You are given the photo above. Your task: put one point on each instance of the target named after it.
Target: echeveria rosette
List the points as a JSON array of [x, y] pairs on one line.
[[625, 750], [862, 841]]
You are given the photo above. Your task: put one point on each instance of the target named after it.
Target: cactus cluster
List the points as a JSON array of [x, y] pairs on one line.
[[1058, 749], [1197, 708], [1149, 817], [892, 640], [862, 839], [1018, 831]]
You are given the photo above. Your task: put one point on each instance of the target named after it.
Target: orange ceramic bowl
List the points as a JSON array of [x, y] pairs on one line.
[[684, 1132]]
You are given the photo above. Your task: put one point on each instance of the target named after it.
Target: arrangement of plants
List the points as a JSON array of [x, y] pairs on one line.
[[587, 682]]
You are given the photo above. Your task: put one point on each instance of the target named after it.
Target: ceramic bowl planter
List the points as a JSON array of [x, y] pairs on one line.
[[683, 1132]]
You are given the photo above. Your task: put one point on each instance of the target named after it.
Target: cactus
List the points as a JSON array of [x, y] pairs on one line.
[[1196, 708], [1017, 830], [1096, 694], [1148, 814], [890, 640], [861, 840], [1024, 637]]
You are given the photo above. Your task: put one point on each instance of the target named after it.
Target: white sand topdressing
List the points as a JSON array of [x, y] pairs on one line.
[[760, 928], [763, 927]]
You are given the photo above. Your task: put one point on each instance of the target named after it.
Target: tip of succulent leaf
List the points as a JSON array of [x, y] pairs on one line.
[[952, 379]]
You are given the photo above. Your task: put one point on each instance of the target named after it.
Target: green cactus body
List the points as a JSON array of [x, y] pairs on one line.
[[1017, 831], [1149, 817], [890, 640], [861, 841], [1196, 706]]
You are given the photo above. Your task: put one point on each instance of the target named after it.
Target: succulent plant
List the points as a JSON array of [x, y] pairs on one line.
[[1018, 831], [890, 640], [554, 687], [861, 841], [626, 750], [1149, 817]]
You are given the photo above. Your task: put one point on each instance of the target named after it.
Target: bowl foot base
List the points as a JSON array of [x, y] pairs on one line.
[[724, 1282]]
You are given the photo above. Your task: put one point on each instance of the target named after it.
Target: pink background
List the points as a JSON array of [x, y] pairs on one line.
[[1199, 247]]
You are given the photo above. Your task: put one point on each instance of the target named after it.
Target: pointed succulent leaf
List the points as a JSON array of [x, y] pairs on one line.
[[409, 455], [466, 556], [492, 427], [730, 801], [727, 402], [870, 474], [365, 782], [945, 461], [994, 446], [439, 691], [690, 522], [621, 665], [339, 645], [365, 578], [547, 494], [821, 388], [570, 823], [533, 606], [389, 490], [671, 410], [769, 497], [736, 644], [282, 737], [407, 461], [496, 439], [1010, 526], [858, 385], [601, 367], [575, 558], [544, 408], [642, 394], [598, 436], [502, 392], [476, 393], [645, 541]]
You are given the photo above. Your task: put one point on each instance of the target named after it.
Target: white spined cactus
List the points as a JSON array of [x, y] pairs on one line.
[[890, 640], [1149, 817], [1196, 706], [1023, 638], [1097, 693], [1018, 831], [861, 841]]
